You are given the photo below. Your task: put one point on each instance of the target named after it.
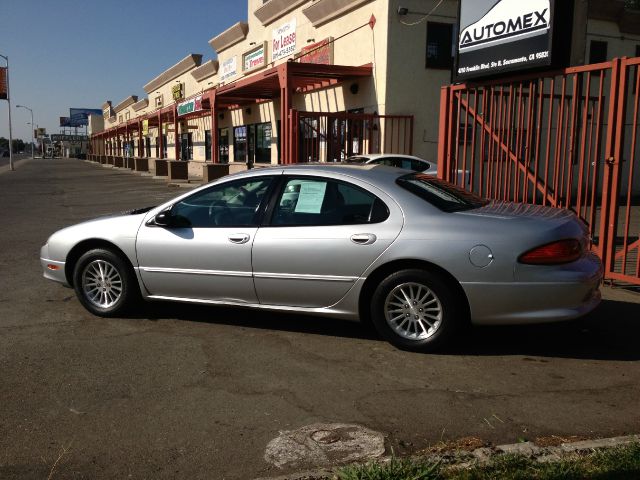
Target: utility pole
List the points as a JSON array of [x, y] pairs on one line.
[[32, 127], [9, 104]]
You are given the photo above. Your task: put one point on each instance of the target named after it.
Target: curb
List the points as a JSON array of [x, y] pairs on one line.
[[480, 456]]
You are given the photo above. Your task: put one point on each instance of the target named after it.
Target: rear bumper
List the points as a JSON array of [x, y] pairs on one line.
[[519, 303]]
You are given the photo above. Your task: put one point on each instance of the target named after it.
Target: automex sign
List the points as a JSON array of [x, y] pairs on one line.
[[506, 35], [192, 105], [284, 41]]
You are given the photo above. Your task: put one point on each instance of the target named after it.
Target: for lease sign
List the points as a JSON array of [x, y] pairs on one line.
[[284, 41]]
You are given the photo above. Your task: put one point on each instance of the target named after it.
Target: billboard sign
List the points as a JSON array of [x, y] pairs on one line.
[[192, 105], [255, 59], [79, 117], [284, 41], [503, 36], [229, 68], [3, 83], [320, 53], [55, 137], [65, 122]]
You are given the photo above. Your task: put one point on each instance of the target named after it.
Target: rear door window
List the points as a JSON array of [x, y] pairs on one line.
[[320, 201]]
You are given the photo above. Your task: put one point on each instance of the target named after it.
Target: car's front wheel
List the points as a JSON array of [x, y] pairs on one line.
[[416, 310], [104, 283]]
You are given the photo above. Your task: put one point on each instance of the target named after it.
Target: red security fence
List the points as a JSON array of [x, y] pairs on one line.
[[567, 139], [332, 137]]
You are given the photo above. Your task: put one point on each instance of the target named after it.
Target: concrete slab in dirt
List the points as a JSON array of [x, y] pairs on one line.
[[324, 444]]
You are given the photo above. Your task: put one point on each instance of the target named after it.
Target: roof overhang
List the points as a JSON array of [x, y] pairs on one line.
[[183, 66]]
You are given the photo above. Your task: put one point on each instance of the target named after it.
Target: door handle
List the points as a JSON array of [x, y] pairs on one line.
[[363, 238], [239, 238]]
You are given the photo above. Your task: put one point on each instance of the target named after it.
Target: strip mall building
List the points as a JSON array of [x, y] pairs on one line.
[[311, 80]]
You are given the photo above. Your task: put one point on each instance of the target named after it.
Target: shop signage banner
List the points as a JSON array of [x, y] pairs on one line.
[[3, 83], [504, 36], [192, 105], [79, 117], [320, 53], [68, 138], [229, 68], [284, 41], [254, 59], [145, 127], [178, 91]]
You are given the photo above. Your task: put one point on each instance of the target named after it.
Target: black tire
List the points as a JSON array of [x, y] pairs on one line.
[[417, 327], [117, 294]]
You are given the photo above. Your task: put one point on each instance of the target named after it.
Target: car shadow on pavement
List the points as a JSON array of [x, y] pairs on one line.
[[610, 332]]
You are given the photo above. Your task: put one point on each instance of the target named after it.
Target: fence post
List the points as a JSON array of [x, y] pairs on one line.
[[443, 133], [606, 237]]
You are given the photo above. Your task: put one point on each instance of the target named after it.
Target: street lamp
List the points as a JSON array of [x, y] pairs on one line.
[[6, 58], [32, 140]]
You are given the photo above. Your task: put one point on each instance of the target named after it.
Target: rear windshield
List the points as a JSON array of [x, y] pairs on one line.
[[445, 196]]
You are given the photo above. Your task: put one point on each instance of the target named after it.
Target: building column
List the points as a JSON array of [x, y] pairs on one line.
[[175, 132], [285, 110], [160, 142], [215, 152]]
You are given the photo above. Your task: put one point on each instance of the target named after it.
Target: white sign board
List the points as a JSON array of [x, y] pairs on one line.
[[311, 197], [284, 41], [229, 68]]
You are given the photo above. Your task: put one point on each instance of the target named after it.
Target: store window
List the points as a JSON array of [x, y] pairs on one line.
[[165, 147], [148, 147], [240, 144], [186, 146], [597, 51], [439, 45], [263, 142], [207, 145], [223, 145]]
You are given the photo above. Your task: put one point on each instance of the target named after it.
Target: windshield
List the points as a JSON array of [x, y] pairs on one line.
[[445, 196]]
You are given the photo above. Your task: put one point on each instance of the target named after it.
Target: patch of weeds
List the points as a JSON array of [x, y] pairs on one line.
[[617, 463], [396, 469]]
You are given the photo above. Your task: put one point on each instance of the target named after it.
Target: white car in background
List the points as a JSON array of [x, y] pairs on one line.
[[407, 162]]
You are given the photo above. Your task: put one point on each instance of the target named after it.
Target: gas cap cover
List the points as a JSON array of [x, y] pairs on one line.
[[481, 256]]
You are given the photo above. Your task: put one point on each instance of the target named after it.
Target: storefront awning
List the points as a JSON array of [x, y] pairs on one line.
[[299, 77]]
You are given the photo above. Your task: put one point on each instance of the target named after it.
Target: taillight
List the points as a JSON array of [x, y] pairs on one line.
[[562, 251]]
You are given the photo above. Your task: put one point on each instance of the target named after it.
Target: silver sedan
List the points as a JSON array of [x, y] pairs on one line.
[[416, 256]]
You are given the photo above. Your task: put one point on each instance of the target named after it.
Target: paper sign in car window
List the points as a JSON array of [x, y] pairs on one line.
[[311, 197]]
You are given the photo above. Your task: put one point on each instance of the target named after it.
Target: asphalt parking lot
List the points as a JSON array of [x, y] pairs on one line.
[[195, 392]]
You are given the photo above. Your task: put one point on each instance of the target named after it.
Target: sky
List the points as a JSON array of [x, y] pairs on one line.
[[81, 53]]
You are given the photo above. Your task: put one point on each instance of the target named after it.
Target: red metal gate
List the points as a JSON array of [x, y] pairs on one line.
[[332, 137], [566, 138]]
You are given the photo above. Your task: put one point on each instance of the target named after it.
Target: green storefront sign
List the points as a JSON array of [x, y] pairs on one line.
[[190, 106]]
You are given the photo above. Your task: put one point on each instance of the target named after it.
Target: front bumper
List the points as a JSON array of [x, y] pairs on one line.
[[52, 269]]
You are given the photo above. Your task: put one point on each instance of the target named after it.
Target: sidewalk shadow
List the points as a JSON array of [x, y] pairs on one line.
[[610, 332]]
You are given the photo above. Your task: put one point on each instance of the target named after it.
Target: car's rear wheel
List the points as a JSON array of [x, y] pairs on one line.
[[416, 310], [104, 283]]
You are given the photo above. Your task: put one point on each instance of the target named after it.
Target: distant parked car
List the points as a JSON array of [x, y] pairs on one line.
[[407, 162], [416, 255], [4, 153]]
